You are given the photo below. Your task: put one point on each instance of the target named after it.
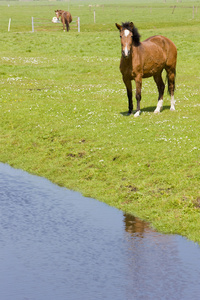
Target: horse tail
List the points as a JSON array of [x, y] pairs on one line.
[[67, 24], [70, 18]]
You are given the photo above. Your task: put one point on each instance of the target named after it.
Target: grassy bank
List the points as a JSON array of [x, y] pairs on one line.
[[63, 110]]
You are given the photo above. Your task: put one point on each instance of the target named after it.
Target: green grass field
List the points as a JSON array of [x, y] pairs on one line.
[[63, 108]]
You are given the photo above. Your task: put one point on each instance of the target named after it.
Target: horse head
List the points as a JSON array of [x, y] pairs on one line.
[[128, 35], [58, 13]]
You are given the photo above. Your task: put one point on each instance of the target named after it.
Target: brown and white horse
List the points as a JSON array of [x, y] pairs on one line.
[[145, 59], [66, 18]]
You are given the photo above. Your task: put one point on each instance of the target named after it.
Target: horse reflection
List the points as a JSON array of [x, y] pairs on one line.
[[135, 226]]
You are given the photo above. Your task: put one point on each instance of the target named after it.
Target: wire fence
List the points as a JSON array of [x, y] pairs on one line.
[[103, 15], [42, 24]]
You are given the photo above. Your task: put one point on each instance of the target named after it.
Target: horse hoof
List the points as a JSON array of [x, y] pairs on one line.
[[172, 108], [157, 110], [137, 114]]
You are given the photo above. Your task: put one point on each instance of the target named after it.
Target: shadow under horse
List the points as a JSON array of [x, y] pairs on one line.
[[145, 59], [66, 18]]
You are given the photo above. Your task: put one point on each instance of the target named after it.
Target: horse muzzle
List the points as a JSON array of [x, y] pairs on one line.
[[126, 53]]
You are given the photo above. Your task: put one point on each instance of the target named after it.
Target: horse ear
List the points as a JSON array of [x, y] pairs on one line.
[[131, 25], [118, 26]]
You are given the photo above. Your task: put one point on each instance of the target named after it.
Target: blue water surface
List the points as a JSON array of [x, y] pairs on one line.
[[58, 245]]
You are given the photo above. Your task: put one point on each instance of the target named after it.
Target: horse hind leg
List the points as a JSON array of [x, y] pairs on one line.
[[161, 87], [171, 87]]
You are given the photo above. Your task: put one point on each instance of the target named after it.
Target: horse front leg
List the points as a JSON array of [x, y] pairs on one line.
[[63, 21], [138, 83], [161, 87], [128, 85]]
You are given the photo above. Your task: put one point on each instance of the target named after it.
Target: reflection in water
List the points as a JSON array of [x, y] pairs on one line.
[[56, 244], [135, 226]]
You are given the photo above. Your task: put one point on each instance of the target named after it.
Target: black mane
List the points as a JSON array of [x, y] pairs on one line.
[[133, 29]]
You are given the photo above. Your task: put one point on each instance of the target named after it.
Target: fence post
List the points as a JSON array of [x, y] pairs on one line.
[[9, 22], [32, 25], [173, 9], [79, 29]]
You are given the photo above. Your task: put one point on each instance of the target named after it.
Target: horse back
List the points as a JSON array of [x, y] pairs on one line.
[[161, 50], [150, 58], [165, 44], [67, 16]]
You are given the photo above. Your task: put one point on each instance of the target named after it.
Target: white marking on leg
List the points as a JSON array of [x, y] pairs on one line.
[[137, 113], [172, 108], [159, 106]]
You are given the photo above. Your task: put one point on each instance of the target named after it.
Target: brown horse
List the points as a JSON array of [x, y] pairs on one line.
[[66, 18], [145, 59]]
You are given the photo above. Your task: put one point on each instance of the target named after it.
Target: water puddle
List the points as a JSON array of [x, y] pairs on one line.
[[57, 245]]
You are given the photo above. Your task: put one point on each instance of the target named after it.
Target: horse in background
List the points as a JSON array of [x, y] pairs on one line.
[[145, 59], [66, 18]]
